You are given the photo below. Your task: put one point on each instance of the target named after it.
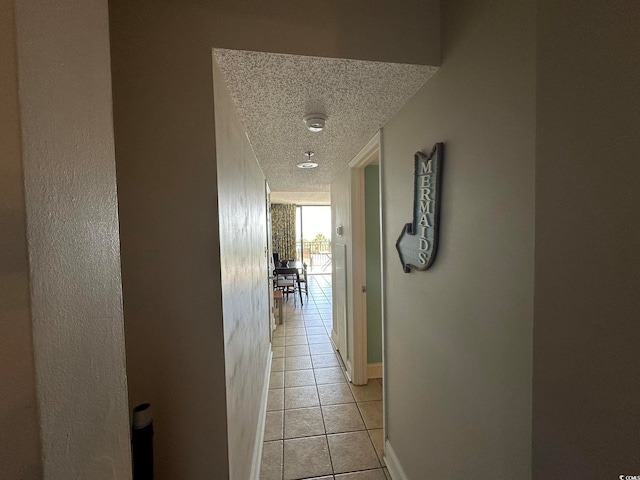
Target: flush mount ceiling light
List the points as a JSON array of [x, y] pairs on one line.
[[308, 163], [315, 122]]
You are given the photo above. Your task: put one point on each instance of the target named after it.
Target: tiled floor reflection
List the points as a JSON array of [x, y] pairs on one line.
[[318, 425]]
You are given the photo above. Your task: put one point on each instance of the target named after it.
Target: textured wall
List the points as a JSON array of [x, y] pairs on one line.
[[19, 432], [458, 337], [243, 260], [72, 230], [586, 370]]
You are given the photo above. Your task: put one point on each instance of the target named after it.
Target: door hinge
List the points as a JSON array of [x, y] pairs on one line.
[[364, 289]]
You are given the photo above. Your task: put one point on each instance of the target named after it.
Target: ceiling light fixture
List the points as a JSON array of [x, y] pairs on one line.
[[315, 122], [308, 163]]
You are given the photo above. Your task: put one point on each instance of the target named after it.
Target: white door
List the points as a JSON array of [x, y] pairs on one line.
[[340, 302]]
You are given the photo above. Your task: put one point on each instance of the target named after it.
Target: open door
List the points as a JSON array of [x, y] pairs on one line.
[[270, 266], [362, 371], [339, 284], [350, 245]]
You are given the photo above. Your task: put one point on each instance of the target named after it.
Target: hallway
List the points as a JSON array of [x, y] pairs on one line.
[[318, 425]]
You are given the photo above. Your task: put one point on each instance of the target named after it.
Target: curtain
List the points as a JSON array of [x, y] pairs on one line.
[[283, 230]]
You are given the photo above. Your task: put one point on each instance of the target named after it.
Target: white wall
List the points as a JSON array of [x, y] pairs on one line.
[[72, 230], [243, 264], [19, 432], [458, 337], [586, 370]]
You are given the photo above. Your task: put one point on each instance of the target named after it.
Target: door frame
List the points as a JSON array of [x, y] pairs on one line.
[[368, 155], [269, 259]]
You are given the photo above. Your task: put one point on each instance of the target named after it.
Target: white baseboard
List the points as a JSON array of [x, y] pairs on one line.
[[347, 363], [393, 464], [347, 371], [334, 337], [374, 370], [257, 449]]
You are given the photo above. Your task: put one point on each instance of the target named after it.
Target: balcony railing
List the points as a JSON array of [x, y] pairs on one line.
[[317, 255]]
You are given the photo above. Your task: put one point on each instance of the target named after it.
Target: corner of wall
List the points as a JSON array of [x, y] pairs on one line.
[[393, 463], [20, 444], [72, 229]]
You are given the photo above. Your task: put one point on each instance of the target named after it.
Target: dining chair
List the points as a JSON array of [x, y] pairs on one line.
[[303, 279], [286, 285], [288, 280]]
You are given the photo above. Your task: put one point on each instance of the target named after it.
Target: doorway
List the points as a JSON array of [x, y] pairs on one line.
[[373, 277], [367, 321], [313, 234]]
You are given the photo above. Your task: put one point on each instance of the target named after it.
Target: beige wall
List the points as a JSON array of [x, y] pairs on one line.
[[458, 337], [586, 367], [72, 230], [166, 166], [243, 261], [19, 432], [358, 29], [167, 187]]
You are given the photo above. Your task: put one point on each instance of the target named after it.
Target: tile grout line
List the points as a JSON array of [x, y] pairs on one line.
[[326, 436], [300, 319], [324, 425]]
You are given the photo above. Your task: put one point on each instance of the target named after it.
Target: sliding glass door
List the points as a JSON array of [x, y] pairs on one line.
[[313, 231]]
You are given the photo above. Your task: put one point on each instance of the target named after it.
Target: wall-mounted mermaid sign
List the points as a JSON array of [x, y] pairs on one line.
[[418, 242]]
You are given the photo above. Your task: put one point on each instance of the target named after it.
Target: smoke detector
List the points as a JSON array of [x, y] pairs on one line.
[[308, 163], [315, 122]]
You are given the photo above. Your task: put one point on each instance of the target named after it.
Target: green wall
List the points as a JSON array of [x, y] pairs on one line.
[[372, 231]]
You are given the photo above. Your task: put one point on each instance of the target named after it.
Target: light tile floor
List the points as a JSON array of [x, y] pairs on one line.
[[318, 425]]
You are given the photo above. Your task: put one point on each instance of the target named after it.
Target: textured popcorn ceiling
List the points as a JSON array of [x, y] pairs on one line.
[[273, 92]]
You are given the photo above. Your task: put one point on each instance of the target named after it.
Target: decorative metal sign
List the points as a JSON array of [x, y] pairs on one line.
[[418, 242]]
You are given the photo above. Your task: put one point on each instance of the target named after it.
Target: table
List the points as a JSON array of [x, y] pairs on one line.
[[293, 269], [277, 296]]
